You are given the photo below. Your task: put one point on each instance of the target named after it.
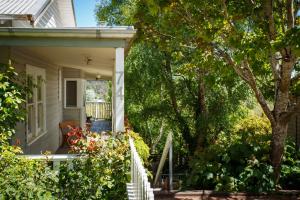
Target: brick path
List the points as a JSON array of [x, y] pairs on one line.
[[210, 195]]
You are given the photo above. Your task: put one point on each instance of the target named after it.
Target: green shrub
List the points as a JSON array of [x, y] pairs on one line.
[[21, 178], [141, 147], [239, 161], [290, 168], [102, 175], [12, 98]]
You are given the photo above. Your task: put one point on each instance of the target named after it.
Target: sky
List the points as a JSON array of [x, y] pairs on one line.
[[84, 10]]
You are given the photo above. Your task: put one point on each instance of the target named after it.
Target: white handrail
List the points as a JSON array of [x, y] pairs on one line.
[[139, 188], [55, 158], [167, 148]]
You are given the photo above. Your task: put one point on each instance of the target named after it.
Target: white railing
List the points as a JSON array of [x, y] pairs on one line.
[[139, 188], [98, 110], [168, 148], [56, 159]]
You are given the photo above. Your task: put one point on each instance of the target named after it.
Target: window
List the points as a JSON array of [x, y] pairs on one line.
[[36, 103], [74, 93]]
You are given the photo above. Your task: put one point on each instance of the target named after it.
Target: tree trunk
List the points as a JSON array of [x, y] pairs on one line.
[[279, 132], [200, 113], [182, 123]]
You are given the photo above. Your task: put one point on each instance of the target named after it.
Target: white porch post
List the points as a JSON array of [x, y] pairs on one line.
[[118, 92]]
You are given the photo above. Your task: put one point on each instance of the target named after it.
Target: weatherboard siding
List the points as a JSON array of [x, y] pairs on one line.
[[67, 13], [51, 140], [50, 17]]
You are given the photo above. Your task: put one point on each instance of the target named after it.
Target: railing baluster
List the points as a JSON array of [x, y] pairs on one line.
[[98, 110], [139, 188]]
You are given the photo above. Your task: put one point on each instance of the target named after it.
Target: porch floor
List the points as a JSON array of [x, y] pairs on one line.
[[64, 149], [100, 125]]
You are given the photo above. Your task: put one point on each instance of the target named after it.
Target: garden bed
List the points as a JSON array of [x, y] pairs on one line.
[[212, 195]]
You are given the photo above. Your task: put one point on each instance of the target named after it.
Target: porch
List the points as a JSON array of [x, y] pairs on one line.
[[65, 59]]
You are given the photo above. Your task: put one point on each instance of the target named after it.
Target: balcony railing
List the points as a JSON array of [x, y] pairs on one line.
[[98, 110], [139, 188]]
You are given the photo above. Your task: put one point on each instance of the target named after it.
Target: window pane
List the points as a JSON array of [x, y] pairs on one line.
[[30, 87], [30, 119], [40, 116], [39, 87], [71, 94]]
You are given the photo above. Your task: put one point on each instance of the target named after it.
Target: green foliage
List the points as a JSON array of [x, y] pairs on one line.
[[12, 97], [21, 178], [96, 90], [141, 147], [239, 161], [163, 79], [290, 169], [103, 174]]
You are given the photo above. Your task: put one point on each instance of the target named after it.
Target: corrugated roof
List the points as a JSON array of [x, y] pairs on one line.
[[22, 7]]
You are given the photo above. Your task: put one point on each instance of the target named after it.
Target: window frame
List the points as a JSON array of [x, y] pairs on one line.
[[38, 131], [79, 97]]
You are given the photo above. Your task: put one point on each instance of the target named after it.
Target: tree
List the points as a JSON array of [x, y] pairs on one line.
[[183, 86], [257, 39]]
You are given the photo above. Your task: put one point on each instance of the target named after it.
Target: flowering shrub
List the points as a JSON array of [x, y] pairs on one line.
[[105, 170], [74, 135]]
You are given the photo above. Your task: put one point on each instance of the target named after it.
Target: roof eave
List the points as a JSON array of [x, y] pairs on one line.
[[101, 33]]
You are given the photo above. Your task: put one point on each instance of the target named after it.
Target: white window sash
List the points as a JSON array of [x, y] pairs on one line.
[[37, 131]]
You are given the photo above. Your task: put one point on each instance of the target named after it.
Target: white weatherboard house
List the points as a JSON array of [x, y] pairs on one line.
[[41, 39]]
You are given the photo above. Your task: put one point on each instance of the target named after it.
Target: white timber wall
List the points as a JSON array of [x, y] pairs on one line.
[[59, 13], [51, 17], [49, 141], [66, 13]]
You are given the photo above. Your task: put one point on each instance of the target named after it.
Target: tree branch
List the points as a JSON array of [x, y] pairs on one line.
[[258, 94], [244, 71], [270, 18]]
